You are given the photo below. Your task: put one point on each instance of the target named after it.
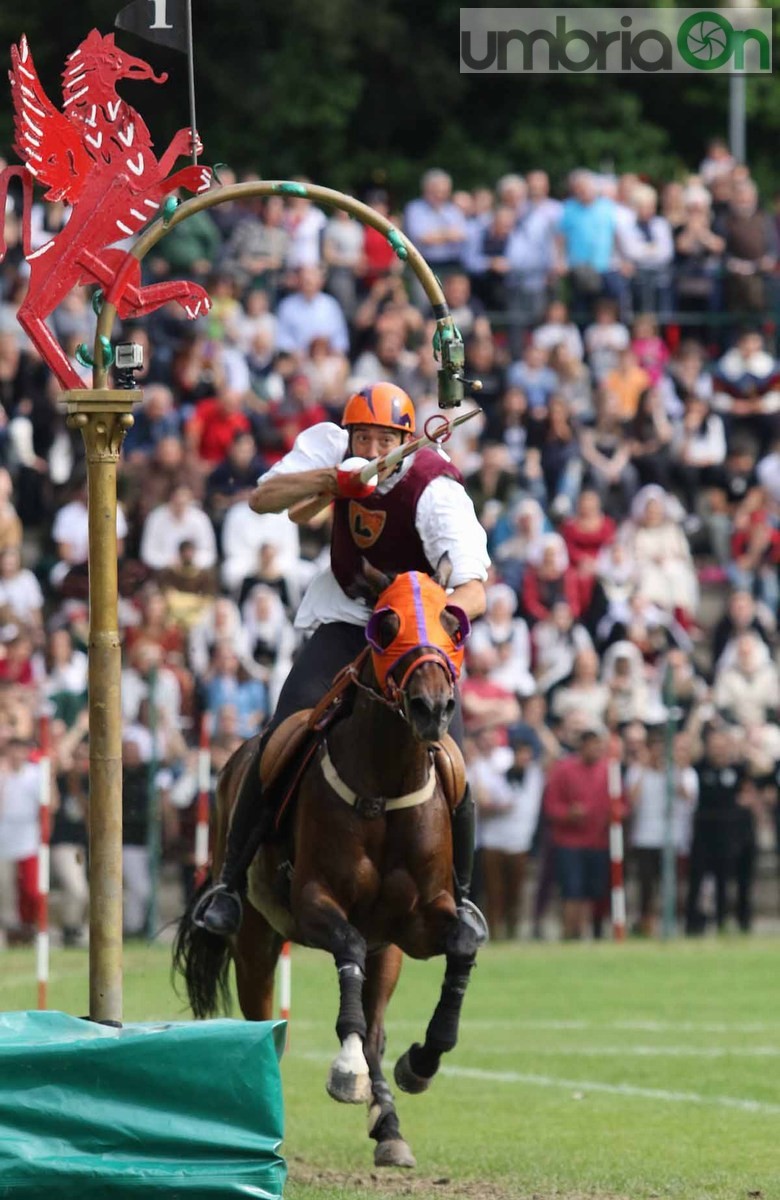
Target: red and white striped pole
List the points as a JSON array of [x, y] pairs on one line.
[[285, 986], [44, 860], [618, 890], [202, 811], [285, 982]]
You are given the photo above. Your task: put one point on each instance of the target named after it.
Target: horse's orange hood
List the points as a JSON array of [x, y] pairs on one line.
[[417, 601]]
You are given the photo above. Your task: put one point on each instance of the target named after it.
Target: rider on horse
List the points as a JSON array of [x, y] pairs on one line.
[[417, 514]]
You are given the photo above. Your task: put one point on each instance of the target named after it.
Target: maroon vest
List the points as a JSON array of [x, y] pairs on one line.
[[381, 528]]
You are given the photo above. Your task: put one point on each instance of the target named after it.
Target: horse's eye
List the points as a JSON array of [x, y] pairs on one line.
[[388, 628], [455, 623], [382, 629]]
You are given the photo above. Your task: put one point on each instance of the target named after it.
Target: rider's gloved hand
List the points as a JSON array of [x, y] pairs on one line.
[[350, 485]]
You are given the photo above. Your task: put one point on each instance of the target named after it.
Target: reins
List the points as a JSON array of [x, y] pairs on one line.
[[394, 696], [349, 677], [394, 701]]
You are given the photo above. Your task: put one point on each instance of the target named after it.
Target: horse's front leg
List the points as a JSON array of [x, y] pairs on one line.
[[458, 942], [323, 924]]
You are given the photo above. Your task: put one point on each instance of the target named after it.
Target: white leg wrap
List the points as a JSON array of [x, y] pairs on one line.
[[348, 1079]]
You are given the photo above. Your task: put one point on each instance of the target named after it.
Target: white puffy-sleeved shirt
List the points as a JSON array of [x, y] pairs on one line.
[[445, 520]]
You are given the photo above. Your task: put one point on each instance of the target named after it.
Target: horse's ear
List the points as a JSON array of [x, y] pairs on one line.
[[443, 570], [369, 584]]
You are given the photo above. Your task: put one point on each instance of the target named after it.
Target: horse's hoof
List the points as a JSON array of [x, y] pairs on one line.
[[406, 1079], [348, 1088], [348, 1079], [394, 1153]]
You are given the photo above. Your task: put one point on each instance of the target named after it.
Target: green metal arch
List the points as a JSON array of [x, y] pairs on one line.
[[448, 345]]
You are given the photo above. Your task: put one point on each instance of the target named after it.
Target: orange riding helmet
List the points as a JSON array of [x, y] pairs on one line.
[[380, 404]]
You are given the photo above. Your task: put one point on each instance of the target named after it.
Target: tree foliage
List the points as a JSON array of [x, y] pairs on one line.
[[352, 94]]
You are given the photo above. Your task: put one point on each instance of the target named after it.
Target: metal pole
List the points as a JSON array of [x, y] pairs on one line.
[[616, 852], [285, 988], [44, 859], [203, 809], [191, 76], [104, 416], [669, 855], [738, 117], [154, 832]]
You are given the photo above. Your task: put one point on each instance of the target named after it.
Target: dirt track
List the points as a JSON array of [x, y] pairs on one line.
[[409, 1183]]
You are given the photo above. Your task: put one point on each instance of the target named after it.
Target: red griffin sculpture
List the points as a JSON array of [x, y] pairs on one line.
[[95, 155]]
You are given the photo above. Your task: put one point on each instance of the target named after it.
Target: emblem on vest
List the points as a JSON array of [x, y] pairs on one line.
[[365, 524]]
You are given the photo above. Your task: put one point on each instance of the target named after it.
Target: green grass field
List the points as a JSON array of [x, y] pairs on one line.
[[636, 1071]]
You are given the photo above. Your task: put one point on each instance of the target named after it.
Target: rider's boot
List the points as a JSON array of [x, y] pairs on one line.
[[463, 829], [220, 908]]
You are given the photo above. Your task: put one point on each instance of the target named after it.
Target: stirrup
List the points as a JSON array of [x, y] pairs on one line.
[[470, 915], [219, 889]]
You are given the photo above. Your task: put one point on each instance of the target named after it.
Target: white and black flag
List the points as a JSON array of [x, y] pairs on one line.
[[160, 21]]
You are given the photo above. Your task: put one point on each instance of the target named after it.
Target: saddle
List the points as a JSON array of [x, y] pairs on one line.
[[292, 745]]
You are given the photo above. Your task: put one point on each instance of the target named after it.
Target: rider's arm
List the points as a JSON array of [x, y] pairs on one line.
[[308, 470], [471, 597], [276, 493], [447, 524]]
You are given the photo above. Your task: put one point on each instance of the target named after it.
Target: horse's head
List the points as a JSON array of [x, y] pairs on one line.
[[416, 641], [99, 54]]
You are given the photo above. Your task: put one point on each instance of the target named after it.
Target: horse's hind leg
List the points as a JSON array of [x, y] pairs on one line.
[[382, 971], [255, 954], [323, 923]]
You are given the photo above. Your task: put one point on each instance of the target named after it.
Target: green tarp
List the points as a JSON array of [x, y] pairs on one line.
[[191, 1110]]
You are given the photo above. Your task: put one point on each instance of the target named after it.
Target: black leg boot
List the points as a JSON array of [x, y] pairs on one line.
[[219, 909], [463, 827]]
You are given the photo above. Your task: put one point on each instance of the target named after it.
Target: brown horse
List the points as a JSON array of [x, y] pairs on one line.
[[371, 848]]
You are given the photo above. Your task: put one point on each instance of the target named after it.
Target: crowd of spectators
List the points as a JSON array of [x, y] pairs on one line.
[[626, 469]]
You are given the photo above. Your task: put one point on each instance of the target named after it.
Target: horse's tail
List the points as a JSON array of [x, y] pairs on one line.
[[202, 959]]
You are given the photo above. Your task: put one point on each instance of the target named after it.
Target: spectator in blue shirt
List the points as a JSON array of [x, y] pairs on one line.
[[437, 227], [532, 374], [157, 419], [486, 258], [228, 685], [587, 244], [309, 313]]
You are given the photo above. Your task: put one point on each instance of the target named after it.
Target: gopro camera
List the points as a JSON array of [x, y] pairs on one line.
[[128, 358]]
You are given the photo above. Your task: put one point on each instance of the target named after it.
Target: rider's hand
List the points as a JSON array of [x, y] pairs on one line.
[[350, 485]]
